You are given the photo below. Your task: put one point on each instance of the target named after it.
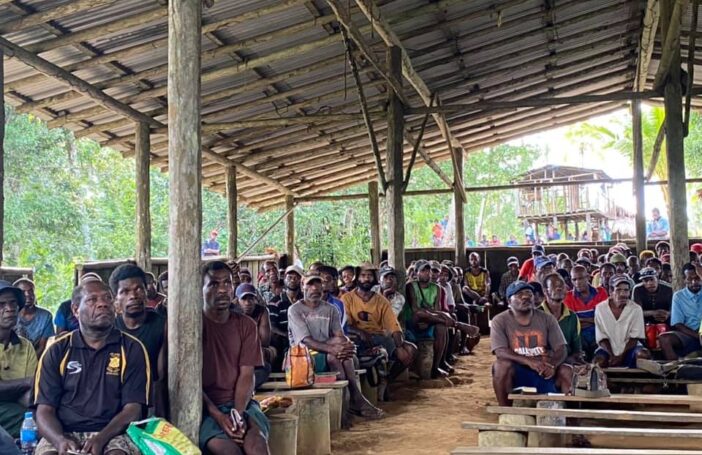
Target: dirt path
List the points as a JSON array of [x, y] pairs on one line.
[[425, 418]]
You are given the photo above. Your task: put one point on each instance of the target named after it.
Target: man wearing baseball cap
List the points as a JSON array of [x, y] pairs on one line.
[[582, 300], [278, 308], [528, 270], [509, 277], [619, 328], [247, 300], [655, 299], [18, 360], [388, 288], [211, 246], [317, 324], [529, 346]]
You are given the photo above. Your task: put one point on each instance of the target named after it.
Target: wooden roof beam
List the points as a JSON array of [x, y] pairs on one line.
[[51, 14], [671, 40], [383, 28], [646, 44]]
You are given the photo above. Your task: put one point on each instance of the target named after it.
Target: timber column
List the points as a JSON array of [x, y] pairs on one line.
[[142, 160], [677, 190], [185, 166], [638, 176], [459, 224], [232, 216], [374, 208], [2, 156], [290, 228], [394, 169]]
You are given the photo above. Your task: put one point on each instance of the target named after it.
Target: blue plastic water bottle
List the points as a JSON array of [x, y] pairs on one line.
[[28, 434]]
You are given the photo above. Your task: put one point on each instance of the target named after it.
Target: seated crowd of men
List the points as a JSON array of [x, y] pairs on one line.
[[604, 309], [101, 362]]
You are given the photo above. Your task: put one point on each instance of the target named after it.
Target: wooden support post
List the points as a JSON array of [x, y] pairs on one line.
[[679, 247], [185, 163], [290, 228], [458, 200], [373, 207], [142, 159], [638, 176], [588, 226], [394, 150], [2, 157], [232, 219]]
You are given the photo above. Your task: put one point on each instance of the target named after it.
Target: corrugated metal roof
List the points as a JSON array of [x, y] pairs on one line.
[[466, 51]]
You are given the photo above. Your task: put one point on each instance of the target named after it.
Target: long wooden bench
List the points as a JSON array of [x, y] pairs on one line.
[[616, 398], [567, 451], [598, 431], [601, 414]]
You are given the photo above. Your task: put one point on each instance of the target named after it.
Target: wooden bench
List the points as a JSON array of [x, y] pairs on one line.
[[567, 451], [599, 431], [616, 398], [601, 414]]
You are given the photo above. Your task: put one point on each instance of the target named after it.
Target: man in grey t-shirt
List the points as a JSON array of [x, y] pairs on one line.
[[317, 324]]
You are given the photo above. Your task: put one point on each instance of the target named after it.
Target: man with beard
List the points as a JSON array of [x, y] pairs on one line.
[[247, 303], [684, 318], [582, 300], [270, 270], [373, 322], [278, 308], [128, 285], [316, 324], [426, 320], [529, 346], [544, 267], [91, 382], [619, 328], [153, 298], [477, 281], [655, 298], [330, 287], [34, 323], [604, 276], [555, 289], [18, 360], [230, 353], [388, 288]]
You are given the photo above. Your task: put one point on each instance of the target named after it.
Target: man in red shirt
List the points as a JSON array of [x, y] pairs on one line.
[[528, 271], [582, 300]]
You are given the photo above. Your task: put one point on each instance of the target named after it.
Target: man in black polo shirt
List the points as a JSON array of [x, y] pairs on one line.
[[128, 283], [278, 308], [92, 382]]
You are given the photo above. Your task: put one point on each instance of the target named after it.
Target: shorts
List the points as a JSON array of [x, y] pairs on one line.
[[629, 359], [415, 334], [385, 342], [210, 429], [524, 376], [120, 443], [689, 344], [320, 361]]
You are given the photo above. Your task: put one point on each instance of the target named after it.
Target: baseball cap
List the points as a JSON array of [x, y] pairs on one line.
[[245, 289], [367, 266], [214, 232], [696, 248], [543, 261], [618, 279], [295, 269], [648, 272], [537, 248], [662, 243], [516, 287], [311, 277], [583, 260], [245, 270], [512, 260], [617, 258], [435, 265], [449, 270], [19, 295], [387, 270], [421, 265]]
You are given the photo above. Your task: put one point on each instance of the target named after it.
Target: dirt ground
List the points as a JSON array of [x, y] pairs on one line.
[[425, 416]]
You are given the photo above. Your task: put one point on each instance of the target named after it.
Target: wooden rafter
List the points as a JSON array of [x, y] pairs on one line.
[[646, 43], [671, 40]]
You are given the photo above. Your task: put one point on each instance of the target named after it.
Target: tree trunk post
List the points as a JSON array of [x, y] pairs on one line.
[[185, 231], [638, 176], [459, 222], [374, 208], [2, 157], [677, 189], [394, 170], [232, 216], [142, 160], [290, 228]]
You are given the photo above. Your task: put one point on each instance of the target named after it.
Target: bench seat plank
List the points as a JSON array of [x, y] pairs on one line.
[[604, 414], [598, 431], [567, 451], [619, 398]]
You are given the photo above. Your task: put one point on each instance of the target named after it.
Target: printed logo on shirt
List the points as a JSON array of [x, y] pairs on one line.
[[74, 367], [114, 364], [364, 316], [529, 343]]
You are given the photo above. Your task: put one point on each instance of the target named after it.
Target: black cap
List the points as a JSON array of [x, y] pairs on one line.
[[516, 287], [387, 270], [19, 295], [538, 248], [648, 272]]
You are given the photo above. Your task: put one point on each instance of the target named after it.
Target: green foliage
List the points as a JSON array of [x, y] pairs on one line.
[[70, 201]]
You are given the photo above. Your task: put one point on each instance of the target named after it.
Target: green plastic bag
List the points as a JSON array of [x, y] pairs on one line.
[[157, 436]]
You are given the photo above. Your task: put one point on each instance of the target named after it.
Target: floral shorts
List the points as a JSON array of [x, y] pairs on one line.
[[120, 443]]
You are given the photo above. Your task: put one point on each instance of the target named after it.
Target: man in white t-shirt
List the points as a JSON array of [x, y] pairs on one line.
[[619, 328]]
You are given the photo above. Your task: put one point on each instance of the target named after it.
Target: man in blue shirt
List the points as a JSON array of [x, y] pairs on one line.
[[658, 227], [211, 246], [684, 318]]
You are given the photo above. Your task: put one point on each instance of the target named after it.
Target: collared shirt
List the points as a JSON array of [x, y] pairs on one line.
[[686, 309], [266, 292], [88, 387], [585, 307], [570, 326], [39, 327], [278, 309], [18, 360], [630, 325], [659, 225]]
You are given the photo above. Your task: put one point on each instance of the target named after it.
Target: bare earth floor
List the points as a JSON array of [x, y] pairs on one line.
[[425, 417]]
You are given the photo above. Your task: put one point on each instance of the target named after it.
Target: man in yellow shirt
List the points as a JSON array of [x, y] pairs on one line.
[[18, 361], [370, 318]]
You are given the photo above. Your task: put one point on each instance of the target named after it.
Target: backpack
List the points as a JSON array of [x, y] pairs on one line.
[[299, 367], [589, 381]]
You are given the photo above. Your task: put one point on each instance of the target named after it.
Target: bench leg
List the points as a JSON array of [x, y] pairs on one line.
[[547, 439]]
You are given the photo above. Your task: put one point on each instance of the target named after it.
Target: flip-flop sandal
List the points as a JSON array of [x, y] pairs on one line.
[[368, 412]]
